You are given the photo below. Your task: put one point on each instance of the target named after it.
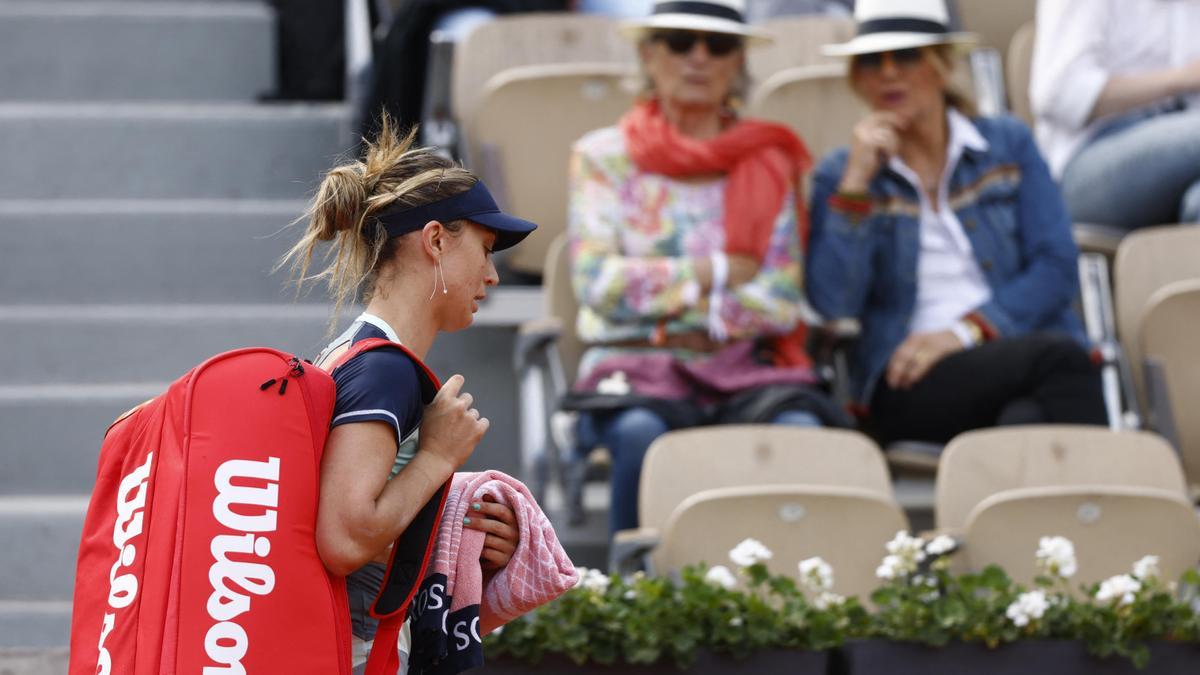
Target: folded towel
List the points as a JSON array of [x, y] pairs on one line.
[[454, 607]]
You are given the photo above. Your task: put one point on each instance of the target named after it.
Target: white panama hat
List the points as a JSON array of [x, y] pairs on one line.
[[886, 25], [707, 16]]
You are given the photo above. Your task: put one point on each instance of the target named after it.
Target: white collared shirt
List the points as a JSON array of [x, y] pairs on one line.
[[1081, 43], [950, 284]]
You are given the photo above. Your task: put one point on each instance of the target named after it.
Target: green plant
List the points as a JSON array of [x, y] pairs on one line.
[[640, 619]]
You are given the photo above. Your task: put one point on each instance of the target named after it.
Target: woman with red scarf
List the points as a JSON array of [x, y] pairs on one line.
[[685, 232]]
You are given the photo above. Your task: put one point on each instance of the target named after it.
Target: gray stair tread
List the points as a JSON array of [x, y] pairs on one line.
[[99, 50], [41, 624], [33, 661], [146, 251], [42, 567], [167, 151]]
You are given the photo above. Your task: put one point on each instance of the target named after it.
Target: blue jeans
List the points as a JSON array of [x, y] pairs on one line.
[[1141, 170], [627, 435]]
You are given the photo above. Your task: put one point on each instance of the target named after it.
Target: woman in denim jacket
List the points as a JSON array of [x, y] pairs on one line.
[[946, 237]]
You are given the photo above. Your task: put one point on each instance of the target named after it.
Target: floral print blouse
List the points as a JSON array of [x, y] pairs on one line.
[[633, 237]]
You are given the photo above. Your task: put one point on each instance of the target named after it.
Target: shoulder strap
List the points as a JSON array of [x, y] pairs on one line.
[[411, 552]]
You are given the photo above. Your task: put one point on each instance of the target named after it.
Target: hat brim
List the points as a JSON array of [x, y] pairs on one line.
[[635, 29], [886, 42], [509, 230]]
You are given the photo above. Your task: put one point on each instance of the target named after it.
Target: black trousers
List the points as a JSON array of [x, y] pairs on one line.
[[1039, 378]]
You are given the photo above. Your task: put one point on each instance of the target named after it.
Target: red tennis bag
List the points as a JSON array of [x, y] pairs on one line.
[[198, 552]]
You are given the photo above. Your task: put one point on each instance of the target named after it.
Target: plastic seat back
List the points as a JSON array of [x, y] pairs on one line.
[[979, 464]]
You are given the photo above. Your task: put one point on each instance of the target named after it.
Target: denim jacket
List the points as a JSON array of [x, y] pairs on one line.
[[862, 257]]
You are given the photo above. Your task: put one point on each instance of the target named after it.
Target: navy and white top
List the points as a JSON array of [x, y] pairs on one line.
[[382, 385]]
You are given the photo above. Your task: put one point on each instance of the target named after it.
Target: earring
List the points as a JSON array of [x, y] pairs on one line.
[[437, 272]]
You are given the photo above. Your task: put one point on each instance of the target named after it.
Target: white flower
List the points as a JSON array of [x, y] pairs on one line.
[[1121, 588], [941, 545], [1056, 557], [908, 547], [616, 384], [720, 576], [816, 575], [630, 594], [889, 568], [736, 621], [749, 552], [593, 580], [1147, 568], [1028, 606], [826, 600]]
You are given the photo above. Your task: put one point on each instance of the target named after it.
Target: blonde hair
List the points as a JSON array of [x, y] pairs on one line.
[[391, 172]]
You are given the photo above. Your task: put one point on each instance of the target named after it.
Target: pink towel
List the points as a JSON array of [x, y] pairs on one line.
[[454, 609]]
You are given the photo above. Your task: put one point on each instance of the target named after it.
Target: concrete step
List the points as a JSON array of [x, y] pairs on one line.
[[137, 251], [91, 50], [167, 151], [33, 660], [52, 433], [33, 627], [38, 559]]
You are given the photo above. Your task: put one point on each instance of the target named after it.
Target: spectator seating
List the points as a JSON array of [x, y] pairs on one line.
[[1111, 526], [845, 526], [530, 39], [1147, 260], [547, 356], [1168, 334], [521, 135], [996, 21], [1018, 66], [683, 463], [797, 43], [815, 101], [979, 464]]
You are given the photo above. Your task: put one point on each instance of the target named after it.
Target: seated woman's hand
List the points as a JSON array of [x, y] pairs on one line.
[[500, 524], [919, 353]]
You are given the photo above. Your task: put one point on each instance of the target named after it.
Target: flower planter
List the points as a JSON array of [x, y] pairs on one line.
[[774, 662], [1018, 658]]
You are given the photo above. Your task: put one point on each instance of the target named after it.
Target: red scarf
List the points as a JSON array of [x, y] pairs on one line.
[[763, 162]]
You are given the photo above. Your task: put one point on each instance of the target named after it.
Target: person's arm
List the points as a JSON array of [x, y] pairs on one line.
[[1126, 92], [622, 288], [1049, 280], [840, 250], [769, 304], [361, 512]]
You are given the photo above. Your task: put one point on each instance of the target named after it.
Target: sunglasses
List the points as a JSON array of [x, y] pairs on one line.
[[682, 41], [903, 58]]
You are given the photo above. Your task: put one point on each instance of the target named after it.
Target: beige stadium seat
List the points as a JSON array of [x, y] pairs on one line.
[[996, 21], [1018, 69], [797, 42], [1110, 526], [847, 527], [531, 39], [1147, 260], [520, 140], [979, 464], [682, 463], [815, 101], [1170, 340]]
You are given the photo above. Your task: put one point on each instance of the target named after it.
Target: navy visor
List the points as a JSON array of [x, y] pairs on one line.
[[475, 205]]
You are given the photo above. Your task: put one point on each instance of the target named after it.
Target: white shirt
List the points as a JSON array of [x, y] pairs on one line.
[[1081, 43], [950, 284]]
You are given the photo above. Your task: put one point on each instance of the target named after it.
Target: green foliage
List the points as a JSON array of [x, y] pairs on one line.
[[640, 619]]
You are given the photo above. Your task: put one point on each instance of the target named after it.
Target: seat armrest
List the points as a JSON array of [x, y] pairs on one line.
[[631, 548], [534, 337]]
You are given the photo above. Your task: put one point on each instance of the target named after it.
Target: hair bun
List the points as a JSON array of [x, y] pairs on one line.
[[341, 202]]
